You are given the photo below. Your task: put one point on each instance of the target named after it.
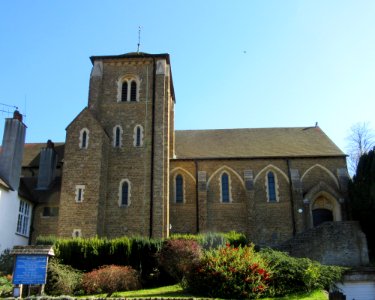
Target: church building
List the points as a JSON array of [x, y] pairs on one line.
[[125, 170]]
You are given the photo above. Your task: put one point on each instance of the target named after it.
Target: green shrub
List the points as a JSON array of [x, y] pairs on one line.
[[62, 279], [6, 262], [236, 239], [213, 240], [110, 279], [291, 275], [6, 286], [230, 272], [179, 256], [91, 253]]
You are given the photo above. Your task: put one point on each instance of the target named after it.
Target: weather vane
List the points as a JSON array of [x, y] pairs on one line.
[[139, 38]]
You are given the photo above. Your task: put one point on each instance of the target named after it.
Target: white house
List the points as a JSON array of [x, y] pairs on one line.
[[15, 211]]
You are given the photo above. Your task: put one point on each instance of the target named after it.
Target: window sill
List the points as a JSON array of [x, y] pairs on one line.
[[22, 235]]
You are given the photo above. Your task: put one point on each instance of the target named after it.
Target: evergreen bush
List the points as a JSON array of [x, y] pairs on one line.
[[92, 253], [62, 279], [6, 262], [212, 240], [291, 275]]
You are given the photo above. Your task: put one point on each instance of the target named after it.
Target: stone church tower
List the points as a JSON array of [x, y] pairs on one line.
[[118, 149]]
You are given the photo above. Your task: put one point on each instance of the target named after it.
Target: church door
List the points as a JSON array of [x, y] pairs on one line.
[[321, 215]]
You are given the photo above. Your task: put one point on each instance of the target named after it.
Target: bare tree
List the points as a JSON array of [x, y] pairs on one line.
[[361, 139]]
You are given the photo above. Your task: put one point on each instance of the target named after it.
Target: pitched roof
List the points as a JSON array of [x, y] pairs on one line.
[[31, 153], [254, 143]]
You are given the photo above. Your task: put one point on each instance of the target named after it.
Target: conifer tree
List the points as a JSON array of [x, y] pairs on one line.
[[362, 197]]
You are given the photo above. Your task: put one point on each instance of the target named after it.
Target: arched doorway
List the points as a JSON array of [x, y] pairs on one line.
[[325, 209], [321, 215]]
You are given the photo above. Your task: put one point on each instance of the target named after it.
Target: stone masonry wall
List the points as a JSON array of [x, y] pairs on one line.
[[265, 223], [82, 167], [331, 243]]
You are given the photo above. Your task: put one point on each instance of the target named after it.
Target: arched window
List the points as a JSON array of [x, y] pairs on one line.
[[179, 189], [124, 91], [225, 198], [271, 187], [117, 136], [138, 136], [127, 89], [84, 138], [124, 193], [133, 91]]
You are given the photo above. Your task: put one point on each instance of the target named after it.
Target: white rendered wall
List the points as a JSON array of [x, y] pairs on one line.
[[9, 206]]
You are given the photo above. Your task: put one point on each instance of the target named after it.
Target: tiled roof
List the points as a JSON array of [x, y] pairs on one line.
[[232, 143], [31, 153], [254, 143]]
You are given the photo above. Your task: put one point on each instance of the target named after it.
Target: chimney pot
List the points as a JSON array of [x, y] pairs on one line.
[[17, 115]]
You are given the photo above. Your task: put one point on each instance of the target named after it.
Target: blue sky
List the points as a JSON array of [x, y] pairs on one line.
[[235, 64]]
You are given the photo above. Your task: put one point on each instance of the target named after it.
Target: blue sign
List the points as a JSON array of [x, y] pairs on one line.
[[30, 269]]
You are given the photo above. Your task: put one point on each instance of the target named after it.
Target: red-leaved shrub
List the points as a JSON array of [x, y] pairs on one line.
[[229, 272], [178, 257], [110, 279]]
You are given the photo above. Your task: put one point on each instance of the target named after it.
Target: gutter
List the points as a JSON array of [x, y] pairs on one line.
[[256, 157]]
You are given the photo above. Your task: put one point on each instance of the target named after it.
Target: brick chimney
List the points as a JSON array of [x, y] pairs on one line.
[[47, 166], [12, 150]]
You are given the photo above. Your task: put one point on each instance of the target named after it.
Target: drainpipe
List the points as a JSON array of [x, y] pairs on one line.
[[152, 145], [197, 193], [291, 198]]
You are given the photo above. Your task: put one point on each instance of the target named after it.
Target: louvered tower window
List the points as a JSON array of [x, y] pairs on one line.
[[133, 91], [124, 91]]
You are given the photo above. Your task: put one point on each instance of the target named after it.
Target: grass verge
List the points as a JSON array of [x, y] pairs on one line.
[[175, 291]]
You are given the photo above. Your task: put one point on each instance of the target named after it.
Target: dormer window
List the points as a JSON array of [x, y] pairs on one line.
[[128, 89]]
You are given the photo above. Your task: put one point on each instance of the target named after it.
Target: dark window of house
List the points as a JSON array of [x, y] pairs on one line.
[[179, 189], [225, 188], [124, 91], [50, 211], [271, 187]]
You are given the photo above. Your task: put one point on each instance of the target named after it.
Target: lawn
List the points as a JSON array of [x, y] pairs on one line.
[[175, 291]]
